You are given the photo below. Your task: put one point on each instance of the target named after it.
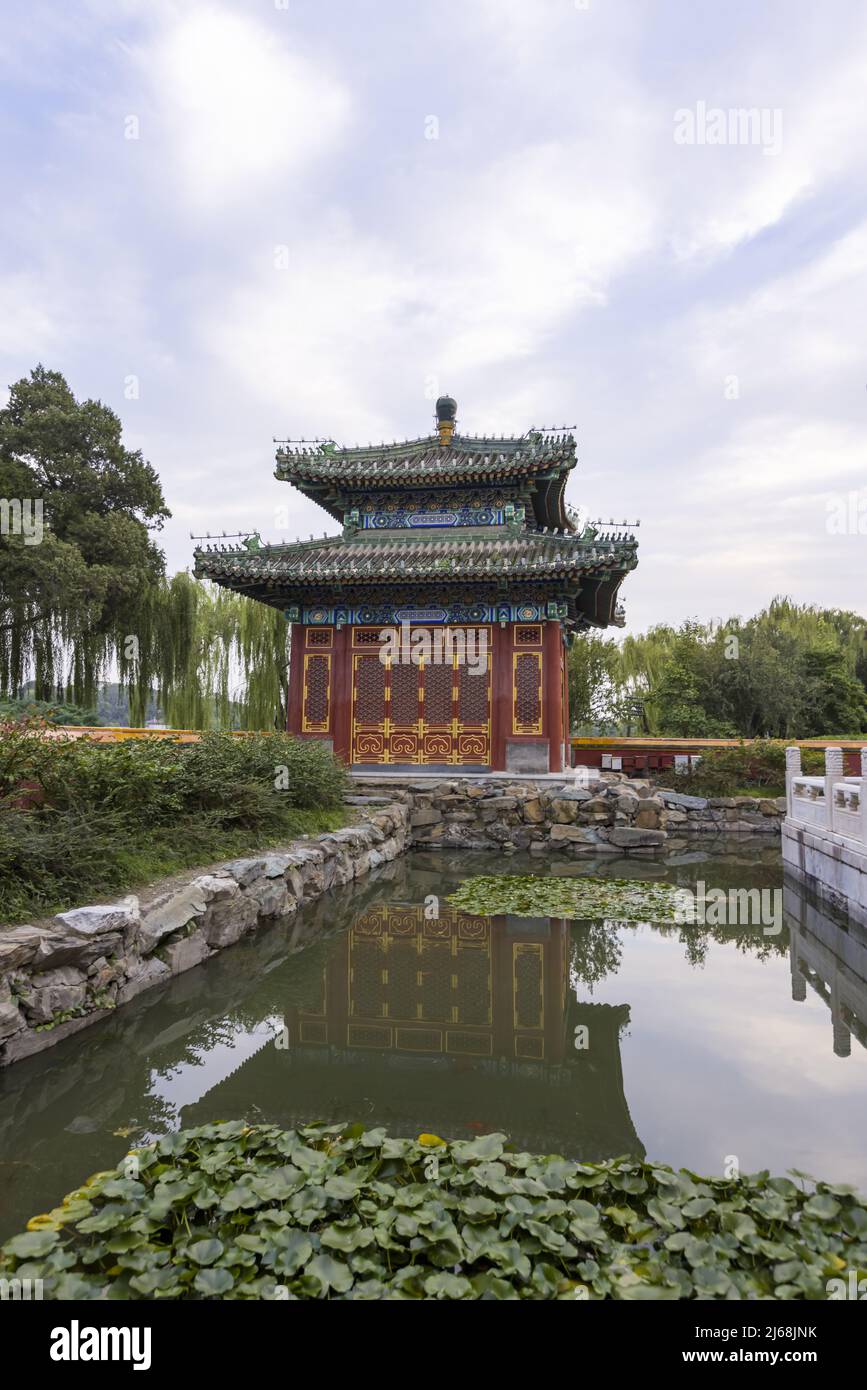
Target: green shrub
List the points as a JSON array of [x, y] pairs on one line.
[[79, 817], [232, 1211], [758, 766], [300, 772], [137, 778]]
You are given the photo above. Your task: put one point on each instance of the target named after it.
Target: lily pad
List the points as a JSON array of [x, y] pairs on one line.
[[489, 1223], [581, 899]]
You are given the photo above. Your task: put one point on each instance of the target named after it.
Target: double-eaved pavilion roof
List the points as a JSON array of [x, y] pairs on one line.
[[536, 463], [533, 551]]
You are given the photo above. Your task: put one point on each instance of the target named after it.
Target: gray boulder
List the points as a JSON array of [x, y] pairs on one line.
[[631, 837], [123, 916], [18, 946], [686, 803]]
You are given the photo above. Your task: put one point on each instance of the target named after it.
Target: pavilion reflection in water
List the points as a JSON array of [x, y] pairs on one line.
[[457, 1023]]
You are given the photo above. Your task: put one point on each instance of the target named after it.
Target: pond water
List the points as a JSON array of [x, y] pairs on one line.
[[591, 1039]]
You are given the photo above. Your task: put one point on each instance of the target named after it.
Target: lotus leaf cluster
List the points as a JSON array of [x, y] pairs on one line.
[[620, 899], [231, 1211]]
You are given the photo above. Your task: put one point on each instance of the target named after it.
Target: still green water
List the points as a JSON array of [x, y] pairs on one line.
[[382, 1003]]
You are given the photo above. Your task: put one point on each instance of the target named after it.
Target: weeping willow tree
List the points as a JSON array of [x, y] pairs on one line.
[[642, 661], [207, 658], [222, 659]]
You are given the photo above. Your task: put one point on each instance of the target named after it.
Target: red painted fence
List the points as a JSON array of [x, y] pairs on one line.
[[641, 755]]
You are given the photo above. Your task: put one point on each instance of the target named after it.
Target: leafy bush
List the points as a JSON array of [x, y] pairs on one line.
[[79, 817], [758, 766], [305, 772], [232, 1211]]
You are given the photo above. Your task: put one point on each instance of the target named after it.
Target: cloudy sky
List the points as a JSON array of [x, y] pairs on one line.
[[298, 218]]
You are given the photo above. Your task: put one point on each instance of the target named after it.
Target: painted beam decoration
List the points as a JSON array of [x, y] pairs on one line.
[[454, 613], [450, 544]]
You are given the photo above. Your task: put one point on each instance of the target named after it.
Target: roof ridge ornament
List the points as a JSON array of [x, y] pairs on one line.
[[446, 414]]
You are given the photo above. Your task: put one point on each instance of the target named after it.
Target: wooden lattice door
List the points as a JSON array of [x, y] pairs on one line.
[[433, 712]]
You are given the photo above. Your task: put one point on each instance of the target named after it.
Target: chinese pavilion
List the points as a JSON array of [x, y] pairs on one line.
[[463, 534]]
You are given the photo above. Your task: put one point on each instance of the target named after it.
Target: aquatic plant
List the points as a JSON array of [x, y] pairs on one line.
[[525, 895], [232, 1211]]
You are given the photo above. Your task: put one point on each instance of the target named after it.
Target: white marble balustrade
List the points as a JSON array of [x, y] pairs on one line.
[[835, 803]]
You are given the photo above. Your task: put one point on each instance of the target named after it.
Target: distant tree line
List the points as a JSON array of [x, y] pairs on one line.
[[792, 671]]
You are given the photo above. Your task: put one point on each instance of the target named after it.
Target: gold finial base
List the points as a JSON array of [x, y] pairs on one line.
[[446, 430]]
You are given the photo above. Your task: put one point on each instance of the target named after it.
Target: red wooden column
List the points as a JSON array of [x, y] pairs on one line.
[[501, 694], [341, 693], [567, 727], [295, 695], [552, 678]]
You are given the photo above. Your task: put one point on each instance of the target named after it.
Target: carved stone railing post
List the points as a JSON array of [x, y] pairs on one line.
[[793, 770], [833, 773], [863, 795]]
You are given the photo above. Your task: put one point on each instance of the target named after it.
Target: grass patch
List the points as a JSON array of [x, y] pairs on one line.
[[129, 868], [234, 1211], [165, 855]]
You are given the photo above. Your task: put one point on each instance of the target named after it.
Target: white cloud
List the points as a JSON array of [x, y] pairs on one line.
[[236, 106], [26, 322], [554, 256], [541, 244], [769, 457]]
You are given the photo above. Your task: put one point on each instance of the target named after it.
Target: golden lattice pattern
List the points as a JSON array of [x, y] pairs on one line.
[[472, 696], [436, 712], [369, 690], [528, 693], [528, 986], [407, 968], [404, 694], [438, 694], [317, 693]]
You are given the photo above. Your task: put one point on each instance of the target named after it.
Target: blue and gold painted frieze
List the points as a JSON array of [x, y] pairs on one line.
[[414, 520], [419, 511], [387, 614]]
